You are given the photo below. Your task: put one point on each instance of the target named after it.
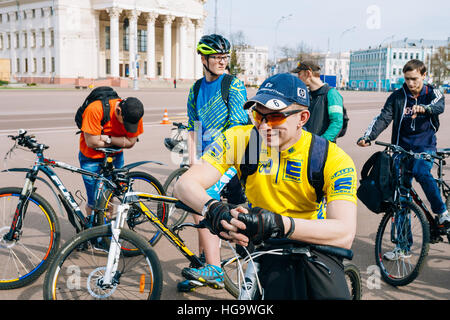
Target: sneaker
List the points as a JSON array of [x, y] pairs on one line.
[[189, 285], [209, 274], [444, 219], [396, 254]]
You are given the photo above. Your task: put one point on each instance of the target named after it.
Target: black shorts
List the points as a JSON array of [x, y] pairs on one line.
[[296, 277]]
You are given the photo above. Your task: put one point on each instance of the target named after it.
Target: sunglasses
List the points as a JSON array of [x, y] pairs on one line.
[[273, 118]]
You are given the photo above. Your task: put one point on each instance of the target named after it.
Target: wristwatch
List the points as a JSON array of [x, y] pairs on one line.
[[108, 140]]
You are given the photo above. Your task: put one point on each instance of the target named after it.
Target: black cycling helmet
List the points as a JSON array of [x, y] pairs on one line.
[[213, 43]]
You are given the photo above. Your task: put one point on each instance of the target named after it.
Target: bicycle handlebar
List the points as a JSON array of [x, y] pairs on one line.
[[28, 141], [420, 155]]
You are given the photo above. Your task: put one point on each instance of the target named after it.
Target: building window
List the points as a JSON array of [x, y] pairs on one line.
[[1, 42], [158, 68], [53, 64], [33, 39], [18, 64], [25, 40], [400, 55], [108, 66], [126, 36], [33, 13], [42, 12], [142, 40], [9, 42], [411, 56], [34, 65], [17, 40], [43, 39], [107, 37], [52, 38], [43, 64], [26, 65], [417, 55], [145, 67], [394, 55]]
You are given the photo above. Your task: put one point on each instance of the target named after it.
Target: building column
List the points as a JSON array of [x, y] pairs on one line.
[[151, 53], [167, 21], [133, 49], [184, 22], [114, 14], [198, 69]]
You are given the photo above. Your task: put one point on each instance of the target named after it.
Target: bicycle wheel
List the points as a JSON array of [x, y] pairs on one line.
[[175, 216], [233, 265], [136, 220], [402, 244], [24, 259], [77, 271], [353, 277]]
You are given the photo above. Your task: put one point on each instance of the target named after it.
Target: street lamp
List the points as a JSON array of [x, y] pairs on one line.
[[276, 33], [339, 58], [379, 63]]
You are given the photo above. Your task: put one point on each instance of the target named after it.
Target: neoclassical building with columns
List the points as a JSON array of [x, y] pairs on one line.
[[101, 41]]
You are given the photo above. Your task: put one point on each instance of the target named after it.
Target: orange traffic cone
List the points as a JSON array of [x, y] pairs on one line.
[[165, 119]]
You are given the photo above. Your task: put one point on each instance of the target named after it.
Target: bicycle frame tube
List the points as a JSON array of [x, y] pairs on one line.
[[172, 237]]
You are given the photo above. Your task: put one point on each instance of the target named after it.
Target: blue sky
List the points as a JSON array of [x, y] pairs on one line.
[[321, 24]]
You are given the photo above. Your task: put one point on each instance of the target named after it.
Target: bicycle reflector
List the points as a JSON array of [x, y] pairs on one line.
[[142, 283]]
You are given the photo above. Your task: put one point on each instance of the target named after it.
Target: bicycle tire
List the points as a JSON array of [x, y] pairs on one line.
[[136, 221], [66, 279], [32, 253], [353, 275], [402, 265], [175, 216], [447, 202], [231, 261]]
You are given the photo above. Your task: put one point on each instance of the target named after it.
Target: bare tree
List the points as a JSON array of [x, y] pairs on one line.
[[440, 65]]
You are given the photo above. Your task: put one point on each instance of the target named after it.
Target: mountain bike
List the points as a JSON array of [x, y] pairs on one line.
[[242, 265], [408, 226], [81, 270], [178, 145], [29, 227]]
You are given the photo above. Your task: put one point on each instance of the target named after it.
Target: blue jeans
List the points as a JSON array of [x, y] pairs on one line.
[[421, 171], [93, 165]]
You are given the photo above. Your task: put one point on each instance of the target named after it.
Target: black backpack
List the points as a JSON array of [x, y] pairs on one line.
[[224, 90], [101, 93], [317, 157], [376, 184]]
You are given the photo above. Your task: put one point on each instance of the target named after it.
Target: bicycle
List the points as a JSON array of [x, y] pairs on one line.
[[178, 144], [29, 227], [97, 272], [408, 225], [245, 266]]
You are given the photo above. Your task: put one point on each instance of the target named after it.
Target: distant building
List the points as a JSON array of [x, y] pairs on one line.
[[253, 62], [62, 41], [380, 68]]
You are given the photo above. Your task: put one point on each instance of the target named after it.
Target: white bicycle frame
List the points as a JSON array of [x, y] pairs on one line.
[[115, 247]]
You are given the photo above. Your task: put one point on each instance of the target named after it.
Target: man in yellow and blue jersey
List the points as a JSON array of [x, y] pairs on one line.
[[209, 115], [282, 201]]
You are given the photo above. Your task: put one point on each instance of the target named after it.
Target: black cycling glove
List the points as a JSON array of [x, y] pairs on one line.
[[216, 212], [365, 139], [261, 225]]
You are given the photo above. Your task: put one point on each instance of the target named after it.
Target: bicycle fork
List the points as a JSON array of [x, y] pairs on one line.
[[112, 275], [16, 226]]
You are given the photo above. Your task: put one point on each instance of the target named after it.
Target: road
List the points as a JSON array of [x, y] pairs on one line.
[[49, 114]]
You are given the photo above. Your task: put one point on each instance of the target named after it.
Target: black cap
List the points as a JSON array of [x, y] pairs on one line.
[[132, 112], [306, 65]]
